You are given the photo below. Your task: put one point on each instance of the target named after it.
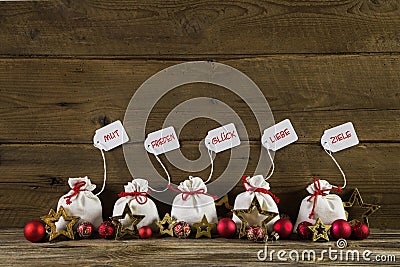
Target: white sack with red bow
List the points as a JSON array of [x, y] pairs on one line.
[[135, 195], [321, 204], [81, 202], [257, 187], [193, 202]]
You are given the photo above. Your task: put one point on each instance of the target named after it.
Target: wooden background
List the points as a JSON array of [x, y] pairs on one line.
[[68, 68]]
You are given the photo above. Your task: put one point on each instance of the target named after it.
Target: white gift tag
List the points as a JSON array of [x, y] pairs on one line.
[[339, 137], [279, 135], [110, 136], [222, 138], [162, 141]]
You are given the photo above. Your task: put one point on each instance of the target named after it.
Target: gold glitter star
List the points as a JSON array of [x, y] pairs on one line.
[[121, 231], [204, 228], [356, 198], [224, 201], [54, 217], [166, 225], [319, 230], [254, 206]]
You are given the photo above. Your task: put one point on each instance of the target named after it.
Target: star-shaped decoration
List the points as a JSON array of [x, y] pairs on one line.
[[121, 231], [356, 200], [224, 201], [53, 217], [166, 225], [203, 228], [255, 207], [319, 230]]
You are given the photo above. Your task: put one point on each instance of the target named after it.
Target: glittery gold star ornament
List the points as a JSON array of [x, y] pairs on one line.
[[255, 207], [166, 225], [355, 200], [132, 230], [224, 201], [53, 217], [204, 228], [319, 230]]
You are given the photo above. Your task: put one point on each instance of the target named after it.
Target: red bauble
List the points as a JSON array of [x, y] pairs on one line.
[[340, 229], [303, 231], [145, 232], [360, 230], [283, 227], [34, 231], [226, 227], [255, 234], [182, 229], [85, 229], [106, 230]]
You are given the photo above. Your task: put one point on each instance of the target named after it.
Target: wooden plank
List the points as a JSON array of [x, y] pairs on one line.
[[197, 28], [189, 252], [76, 97], [38, 174]]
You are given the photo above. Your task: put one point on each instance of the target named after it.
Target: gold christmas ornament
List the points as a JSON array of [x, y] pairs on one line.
[[204, 228], [319, 230], [254, 207], [355, 200], [274, 236], [53, 217], [166, 225], [121, 231]]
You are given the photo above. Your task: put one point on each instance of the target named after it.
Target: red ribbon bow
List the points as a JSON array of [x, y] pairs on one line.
[[137, 196], [319, 192], [186, 194], [76, 189], [249, 187]]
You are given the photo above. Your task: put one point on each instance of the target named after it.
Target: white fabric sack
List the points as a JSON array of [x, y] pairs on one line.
[[193, 205], [243, 201], [80, 201], [139, 203], [328, 207]]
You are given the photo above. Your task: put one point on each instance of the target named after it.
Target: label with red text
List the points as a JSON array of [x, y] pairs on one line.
[[279, 135], [162, 141], [110, 136], [222, 138], [339, 137]]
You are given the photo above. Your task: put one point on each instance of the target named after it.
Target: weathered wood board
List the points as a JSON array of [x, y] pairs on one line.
[[15, 251], [198, 28]]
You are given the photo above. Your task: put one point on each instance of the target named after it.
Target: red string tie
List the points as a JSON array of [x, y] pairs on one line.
[[141, 197], [77, 188], [186, 194], [251, 188], [319, 192]]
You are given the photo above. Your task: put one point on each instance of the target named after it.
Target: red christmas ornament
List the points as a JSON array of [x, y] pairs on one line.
[[182, 229], [303, 231], [85, 229], [360, 231], [255, 234], [226, 227], [106, 230], [340, 229], [34, 231], [145, 232], [283, 227]]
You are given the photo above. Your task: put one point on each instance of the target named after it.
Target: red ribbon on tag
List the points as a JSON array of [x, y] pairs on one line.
[[137, 196], [319, 192], [186, 194], [77, 188], [258, 189]]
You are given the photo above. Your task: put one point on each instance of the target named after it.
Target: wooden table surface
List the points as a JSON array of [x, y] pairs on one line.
[[16, 251]]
